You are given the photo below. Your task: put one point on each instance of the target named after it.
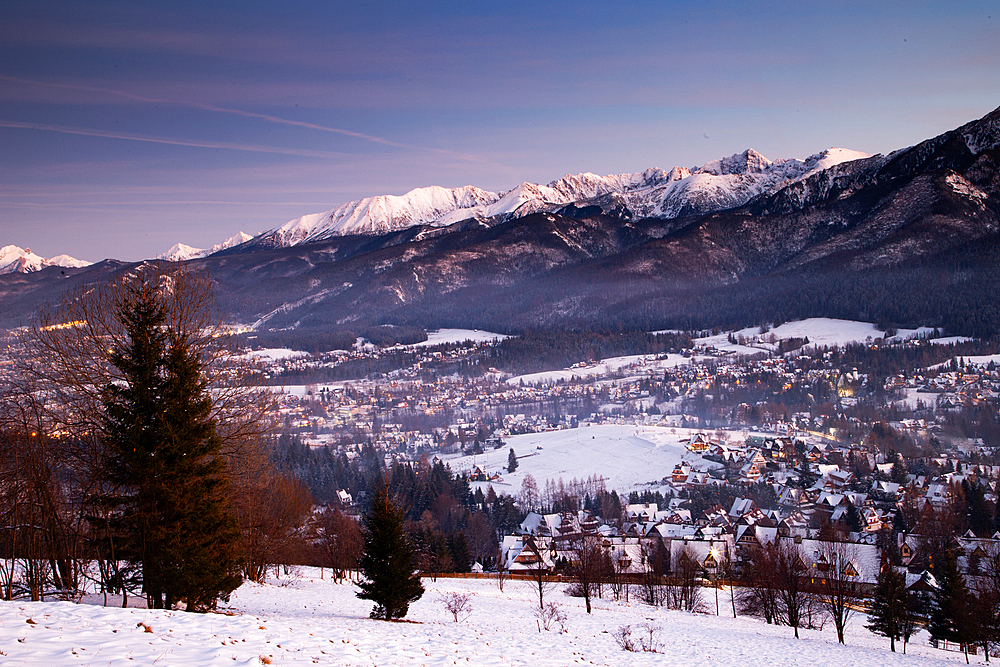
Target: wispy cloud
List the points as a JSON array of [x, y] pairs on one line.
[[201, 106], [253, 148]]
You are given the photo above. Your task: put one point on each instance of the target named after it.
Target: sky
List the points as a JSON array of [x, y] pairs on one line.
[[126, 127]]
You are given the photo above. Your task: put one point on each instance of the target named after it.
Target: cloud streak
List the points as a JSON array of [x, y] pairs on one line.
[[201, 106], [253, 148]]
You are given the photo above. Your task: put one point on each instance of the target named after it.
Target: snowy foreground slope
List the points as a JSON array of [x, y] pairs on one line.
[[313, 621]]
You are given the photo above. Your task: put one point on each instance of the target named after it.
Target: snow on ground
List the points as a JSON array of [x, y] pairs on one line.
[[625, 364], [975, 360], [307, 620], [442, 336], [627, 456], [819, 330], [913, 396], [983, 360], [822, 331], [948, 340], [277, 354]]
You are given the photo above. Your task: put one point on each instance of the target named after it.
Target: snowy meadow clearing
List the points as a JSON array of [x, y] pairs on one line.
[[303, 619], [627, 456]]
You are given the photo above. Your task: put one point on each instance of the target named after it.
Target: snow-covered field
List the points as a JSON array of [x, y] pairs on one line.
[[635, 363], [306, 620], [442, 336], [627, 456], [276, 354], [821, 331]]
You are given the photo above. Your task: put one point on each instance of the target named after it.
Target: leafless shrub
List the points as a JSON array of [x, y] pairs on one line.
[[623, 637], [458, 605], [647, 644], [650, 644], [551, 615]]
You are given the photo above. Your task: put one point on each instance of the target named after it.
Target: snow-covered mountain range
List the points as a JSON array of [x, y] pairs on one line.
[[180, 252], [21, 260], [654, 193]]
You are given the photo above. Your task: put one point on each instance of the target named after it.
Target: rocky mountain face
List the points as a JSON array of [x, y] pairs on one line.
[[908, 238]]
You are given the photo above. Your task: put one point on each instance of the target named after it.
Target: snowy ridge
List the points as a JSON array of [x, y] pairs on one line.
[[181, 252], [21, 260], [386, 213], [717, 185]]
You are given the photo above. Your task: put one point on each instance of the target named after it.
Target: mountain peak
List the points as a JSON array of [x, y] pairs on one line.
[[983, 134], [747, 162], [21, 260]]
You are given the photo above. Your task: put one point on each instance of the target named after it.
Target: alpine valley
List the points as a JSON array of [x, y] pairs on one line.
[[905, 239]]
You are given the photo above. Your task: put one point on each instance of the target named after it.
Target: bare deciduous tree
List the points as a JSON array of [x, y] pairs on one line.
[[760, 597], [791, 571], [839, 586], [340, 542], [76, 357], [685, 588], [270, 510], [587, 567], [652, 589]]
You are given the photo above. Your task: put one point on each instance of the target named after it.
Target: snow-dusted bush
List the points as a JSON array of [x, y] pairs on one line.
[[551, 615], [458, 605], [648, 642]]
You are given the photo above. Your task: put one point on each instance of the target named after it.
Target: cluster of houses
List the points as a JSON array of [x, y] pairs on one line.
[[720, 540]]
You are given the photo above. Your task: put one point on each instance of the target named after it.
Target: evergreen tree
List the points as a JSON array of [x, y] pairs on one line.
[[132, 425], [386, 562], [173, 513], [853, 518], [201, 554], [978, 509], [458, 545], [888, 605], [511, 461], [951, 606]]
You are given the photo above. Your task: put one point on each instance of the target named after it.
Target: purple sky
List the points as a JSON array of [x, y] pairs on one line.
[[127, 127]]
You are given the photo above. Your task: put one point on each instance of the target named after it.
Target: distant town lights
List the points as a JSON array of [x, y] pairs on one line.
[[65, 325]]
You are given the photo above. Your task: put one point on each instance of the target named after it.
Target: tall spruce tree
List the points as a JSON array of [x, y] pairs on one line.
[[202, 558], [173, 516], [951, 616], [386, 562], [888, 610], [511, 461], [132, 424]]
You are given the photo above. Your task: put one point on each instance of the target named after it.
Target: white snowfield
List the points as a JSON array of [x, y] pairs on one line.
[[442, 336], [307, 621], [626, 456], [276, 354], [635, 363], [825, 331], [821, 331]]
